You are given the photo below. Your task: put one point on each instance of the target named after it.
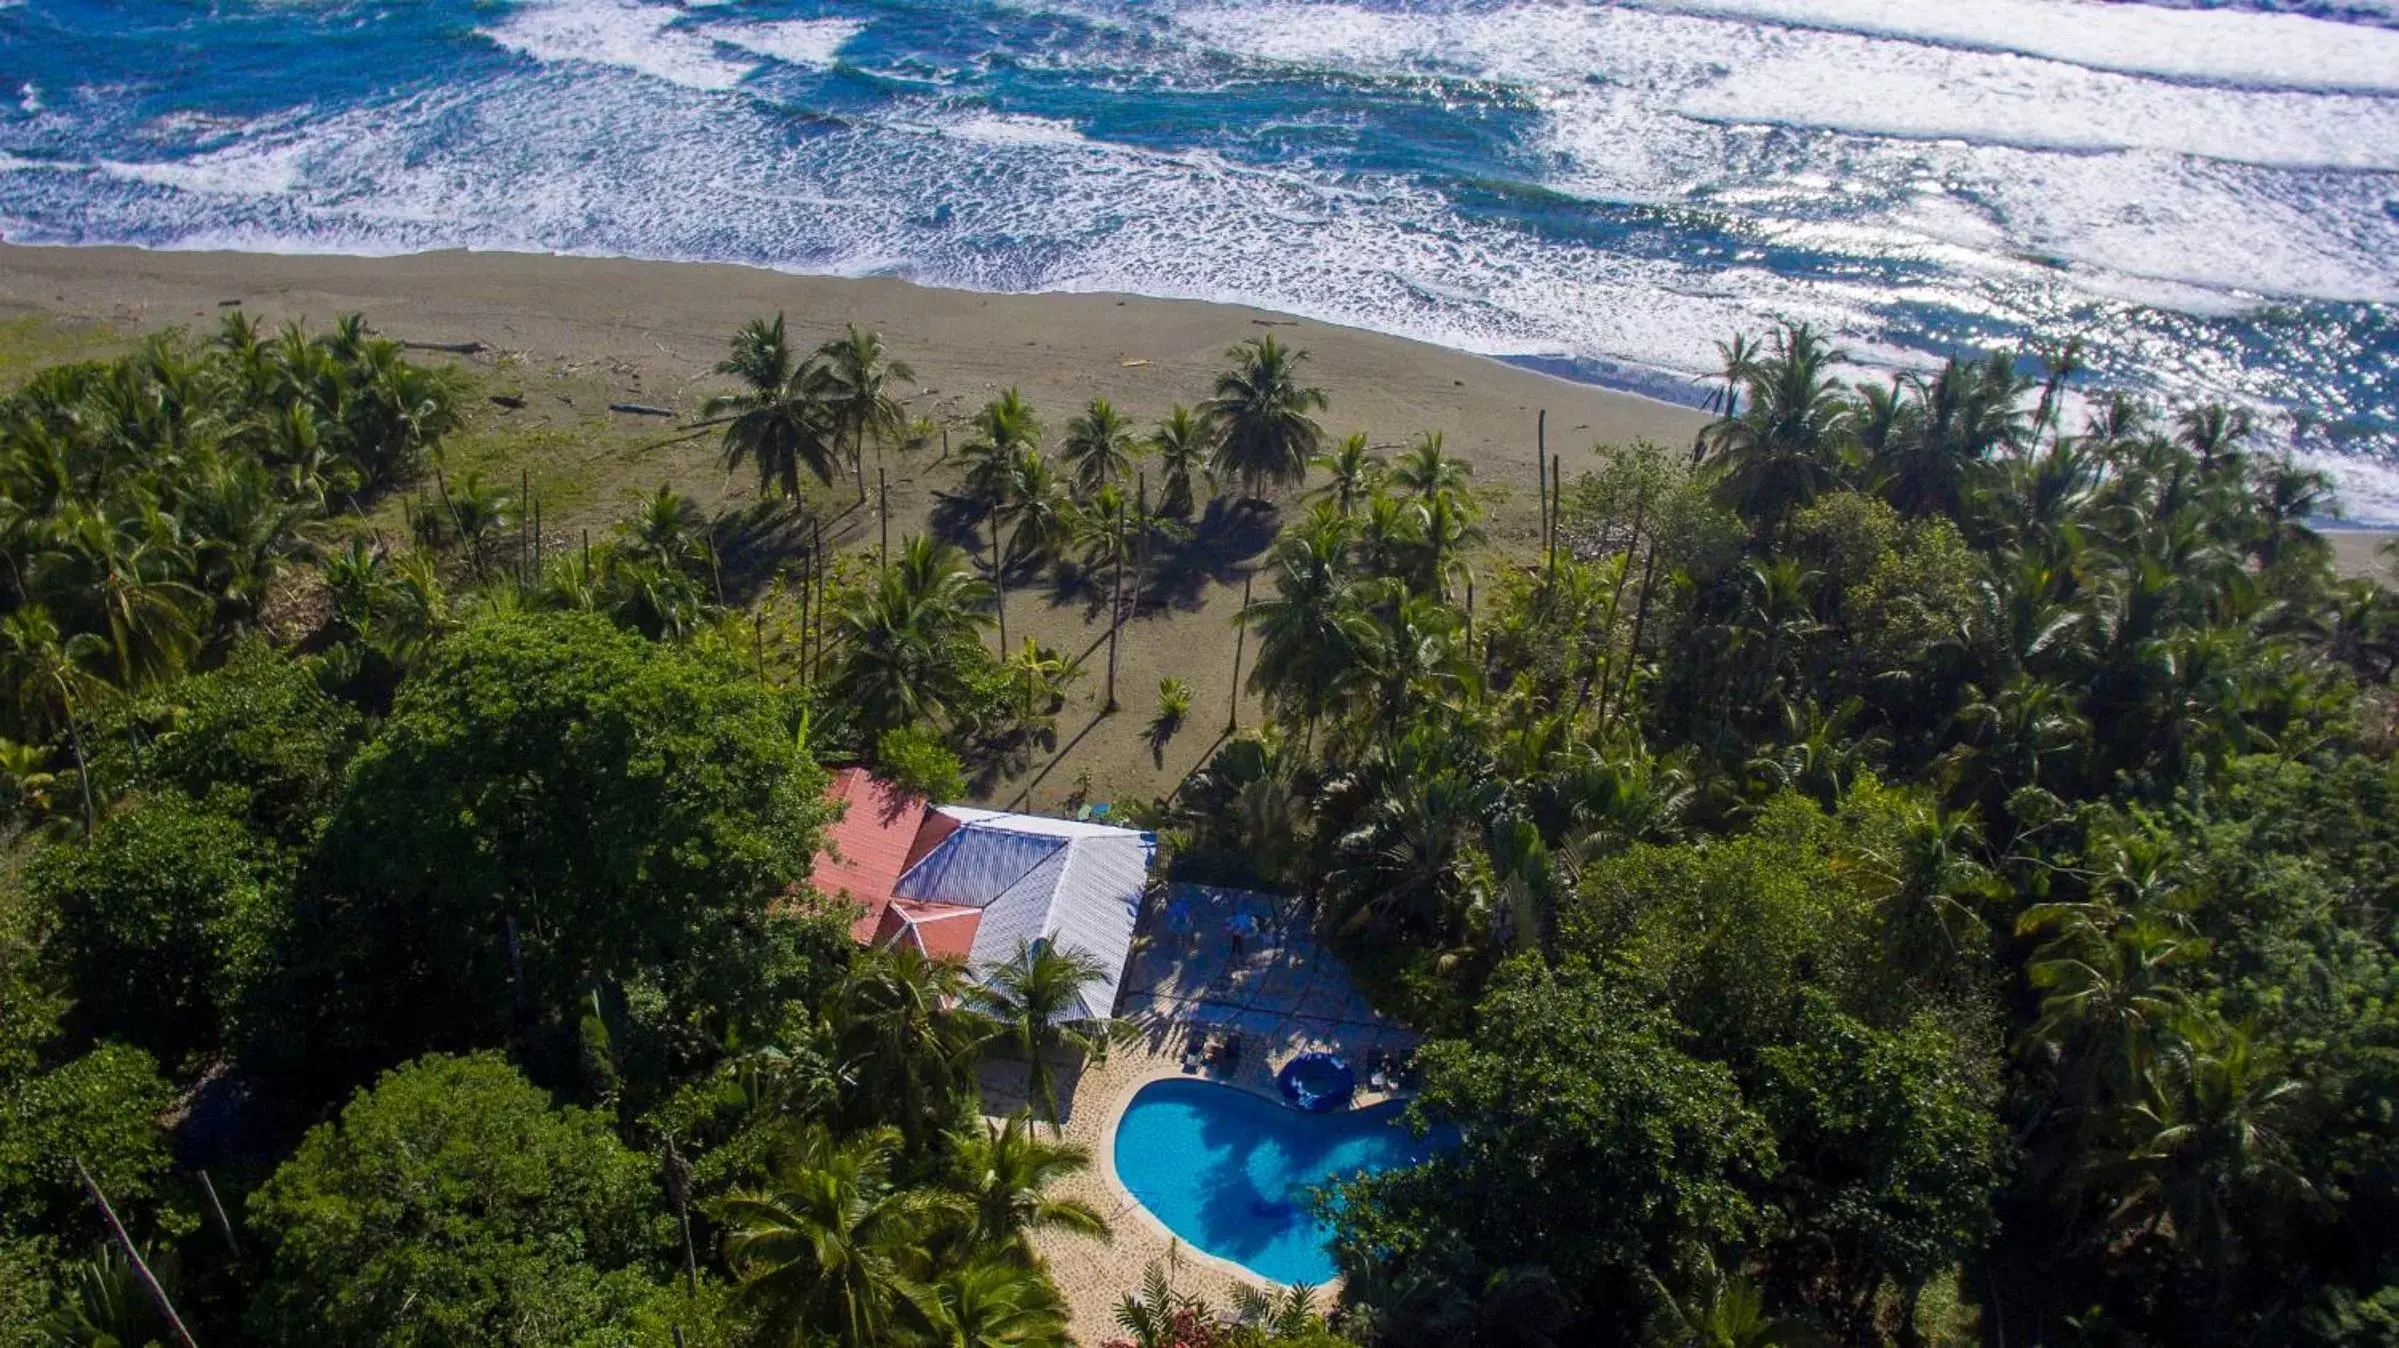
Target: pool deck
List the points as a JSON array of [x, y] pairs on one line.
[[1284, 994]]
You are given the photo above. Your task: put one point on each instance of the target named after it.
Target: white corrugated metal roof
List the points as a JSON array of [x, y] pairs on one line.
[[1076, 885]]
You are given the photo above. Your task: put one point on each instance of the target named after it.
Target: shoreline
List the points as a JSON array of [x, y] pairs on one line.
[[654, 323], [112, 268]]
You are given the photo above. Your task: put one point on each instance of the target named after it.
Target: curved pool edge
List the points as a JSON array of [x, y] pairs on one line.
[[1170, 1070], [1265, 1091]]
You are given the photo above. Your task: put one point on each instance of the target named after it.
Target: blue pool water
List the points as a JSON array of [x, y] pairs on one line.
[[1229, 1172], [2206, 191]]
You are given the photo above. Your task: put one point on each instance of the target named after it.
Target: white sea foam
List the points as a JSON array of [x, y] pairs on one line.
[[29, 97], [242, 170], [798, 42], [2237, 47], [619, 139], [624, 33]]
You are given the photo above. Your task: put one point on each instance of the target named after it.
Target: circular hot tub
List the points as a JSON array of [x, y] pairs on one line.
[[1317, 1082]]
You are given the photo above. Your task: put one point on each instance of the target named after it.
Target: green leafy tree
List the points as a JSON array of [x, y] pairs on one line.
[[161, 921], [1597, 1147], [556, 806], [453, 1203]]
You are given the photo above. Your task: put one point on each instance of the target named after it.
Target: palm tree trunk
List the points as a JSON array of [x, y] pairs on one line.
[[83, 772], [999, 584], [141, 1268], [1116, 616]]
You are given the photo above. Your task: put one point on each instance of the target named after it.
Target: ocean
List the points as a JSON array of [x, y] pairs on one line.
[[2207, 194]]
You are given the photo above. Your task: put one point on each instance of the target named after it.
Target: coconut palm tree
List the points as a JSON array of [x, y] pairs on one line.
[[1004, 1170], [1181, 441], [828, 1247], [49, 684], [990, 1304], [1004, 431], [1776, 454], [123, 579], [911, 637], [665, 527], [1039, 513], [245, 530], [2284, 498], [856, 393], [1258, 418], [1353, 471], [2209, 1144], [1099, 449], [903, 1025], [482, 513], [782, 419], [1038, 998], [1313, 630], [1427, 472]]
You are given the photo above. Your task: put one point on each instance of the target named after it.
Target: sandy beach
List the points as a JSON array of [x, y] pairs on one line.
[[575, 334]]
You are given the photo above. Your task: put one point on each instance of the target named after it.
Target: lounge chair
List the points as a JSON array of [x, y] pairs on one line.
[[1229, 1056], [1195, 1049]]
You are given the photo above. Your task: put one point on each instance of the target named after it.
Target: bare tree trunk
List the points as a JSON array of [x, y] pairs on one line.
[[999, 583], [141, 1269], [216, 1209], [83, 771], [1116, 602], [1240, 635]]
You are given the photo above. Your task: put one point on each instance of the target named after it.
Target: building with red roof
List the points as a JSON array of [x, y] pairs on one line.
[[979, 885], [869, 847]]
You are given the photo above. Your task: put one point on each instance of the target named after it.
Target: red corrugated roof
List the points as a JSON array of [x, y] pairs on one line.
[[944, 930], [868, 848]]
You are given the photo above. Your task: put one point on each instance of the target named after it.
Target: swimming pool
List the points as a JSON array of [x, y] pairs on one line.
[[1228, 1171]]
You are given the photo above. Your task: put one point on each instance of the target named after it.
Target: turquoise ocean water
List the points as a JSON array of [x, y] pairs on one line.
[[2209, 194]]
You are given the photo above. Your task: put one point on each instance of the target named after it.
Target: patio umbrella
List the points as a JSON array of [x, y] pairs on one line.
[[1243, 924]]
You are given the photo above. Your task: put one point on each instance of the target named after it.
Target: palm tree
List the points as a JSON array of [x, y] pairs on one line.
[[1259, 416], [1003, 1170], [246, 531], [911, 637], [1182, 444], [122, 580], [2285, 497], [856, 393], [1952, 424], [1099, 449], [1005, 430], [1160, 1317], [904, 1025], [1037, 510], [665, 527], [1313, 631], [1038, 998], [1353, 471], [1780, 451], [827, 1248], [1722, 1312], [2210, 1144], [48, 683], [990, 1304], [482, 513], [1427, 472], [782, 420]]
